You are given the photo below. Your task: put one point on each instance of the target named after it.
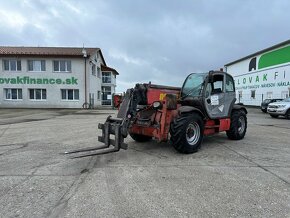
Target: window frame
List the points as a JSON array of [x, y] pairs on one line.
[[269, 95], [99, 95], [99, 73], [67, 94], [59, 66], [34, 94], [253, 94], [42, 63], [94, 71], [229, 79], [17, 64], [19, 94], [108, 77], [219, 84], [104, 95], [284, 94]]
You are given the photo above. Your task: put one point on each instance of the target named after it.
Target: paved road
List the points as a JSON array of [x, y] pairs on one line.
[[225, 178]]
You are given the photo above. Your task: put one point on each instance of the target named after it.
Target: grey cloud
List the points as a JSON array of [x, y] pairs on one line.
[[146, 40]]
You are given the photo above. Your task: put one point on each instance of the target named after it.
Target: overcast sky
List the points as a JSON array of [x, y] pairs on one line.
[[150, 40]]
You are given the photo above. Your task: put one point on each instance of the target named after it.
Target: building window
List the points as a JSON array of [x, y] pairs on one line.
[[106, 95], [13, 94], [269, 95], [37, 94], [93, 69], [12, 65], [99, 95], [36, 65], [62, 66], [69, 94], [106, 78], [284, 94], [253, 94], [98, 72]]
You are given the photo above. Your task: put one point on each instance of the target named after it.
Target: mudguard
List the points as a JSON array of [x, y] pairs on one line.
[[189, 109], [240, 107]]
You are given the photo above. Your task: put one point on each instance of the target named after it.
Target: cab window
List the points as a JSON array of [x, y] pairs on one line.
[[229, 84], [218, 84]]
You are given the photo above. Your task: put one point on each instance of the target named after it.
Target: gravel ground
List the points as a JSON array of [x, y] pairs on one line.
[[247, 178]]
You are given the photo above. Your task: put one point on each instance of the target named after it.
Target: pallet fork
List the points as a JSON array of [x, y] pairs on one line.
[[117, 127]]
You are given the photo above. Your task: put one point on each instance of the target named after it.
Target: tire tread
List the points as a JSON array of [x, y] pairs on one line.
[[178, 135], [233, 133]]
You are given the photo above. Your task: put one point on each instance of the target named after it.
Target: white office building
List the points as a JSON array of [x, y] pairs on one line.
[[55, 77], [262, 75]]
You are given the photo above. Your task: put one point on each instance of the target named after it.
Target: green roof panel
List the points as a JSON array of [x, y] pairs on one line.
[[279, 56]]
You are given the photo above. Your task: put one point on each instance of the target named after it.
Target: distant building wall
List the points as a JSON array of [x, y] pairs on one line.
[[54, 81], [263, 75]]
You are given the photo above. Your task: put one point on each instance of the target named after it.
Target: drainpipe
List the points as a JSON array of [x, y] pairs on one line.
[[85, 105]]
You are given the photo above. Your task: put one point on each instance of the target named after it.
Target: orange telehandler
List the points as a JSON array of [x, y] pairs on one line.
[[205, 105]]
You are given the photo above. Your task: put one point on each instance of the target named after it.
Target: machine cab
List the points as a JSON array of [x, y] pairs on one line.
[[215, 91]]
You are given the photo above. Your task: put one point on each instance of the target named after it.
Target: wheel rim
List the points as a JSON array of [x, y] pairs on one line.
[[192, 133], [241, 125]]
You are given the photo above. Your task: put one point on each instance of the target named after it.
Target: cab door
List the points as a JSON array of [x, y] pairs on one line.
[[218, 99]]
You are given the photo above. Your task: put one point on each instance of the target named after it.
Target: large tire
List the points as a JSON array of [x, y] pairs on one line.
[[187, 133], [238, 125], [140, 138], [274, 116], [287, 115]]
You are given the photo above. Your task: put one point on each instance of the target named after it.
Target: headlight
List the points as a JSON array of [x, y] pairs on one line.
[[157, 105]]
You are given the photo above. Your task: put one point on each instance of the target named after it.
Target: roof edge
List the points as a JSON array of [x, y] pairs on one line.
[[259, 52], [106, 68], [102, 57], [68, 47], [47, 51]]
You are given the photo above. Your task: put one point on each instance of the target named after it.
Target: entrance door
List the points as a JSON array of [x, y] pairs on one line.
[[219, 96], [284, 94], [106, 95]]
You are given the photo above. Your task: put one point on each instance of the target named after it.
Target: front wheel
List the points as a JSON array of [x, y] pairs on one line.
[[238, 125], [264, 110], [287, 115], [187, 133], [274, 116]]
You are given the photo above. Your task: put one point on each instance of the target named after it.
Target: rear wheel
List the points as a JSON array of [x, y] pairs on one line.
[[187, 133], [140, 138], [238, 125], [288, 114], [274, 116]]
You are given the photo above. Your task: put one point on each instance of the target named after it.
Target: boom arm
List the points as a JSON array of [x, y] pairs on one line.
[[142, 94]]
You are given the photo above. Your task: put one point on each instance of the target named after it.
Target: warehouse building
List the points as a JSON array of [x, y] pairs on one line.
[[262, 75], [55, 77]]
